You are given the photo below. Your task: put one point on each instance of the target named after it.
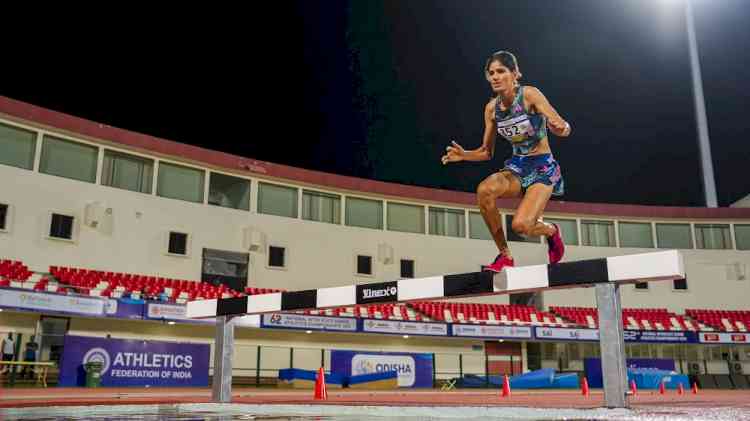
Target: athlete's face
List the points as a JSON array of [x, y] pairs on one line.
[[500, 77]]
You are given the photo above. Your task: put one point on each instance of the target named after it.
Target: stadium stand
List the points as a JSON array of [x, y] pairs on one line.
[[724, 320], [90, 282], [634, 318]]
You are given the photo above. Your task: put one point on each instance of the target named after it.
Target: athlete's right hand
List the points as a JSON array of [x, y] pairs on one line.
[[454, 153]]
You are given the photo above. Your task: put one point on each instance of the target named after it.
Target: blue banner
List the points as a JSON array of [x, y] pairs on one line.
[[645, 336], [414, 370], [125, 308], [660, 336], [134, 362], [299, 321]]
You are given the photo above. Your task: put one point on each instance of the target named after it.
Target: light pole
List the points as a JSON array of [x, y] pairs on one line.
[[707, 167]]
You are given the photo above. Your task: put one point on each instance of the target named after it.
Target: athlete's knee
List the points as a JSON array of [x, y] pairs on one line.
[[522, 225], [488, 191]]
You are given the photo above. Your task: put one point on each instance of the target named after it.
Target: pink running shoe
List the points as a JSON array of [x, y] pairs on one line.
[[556, 246], [500, 262]]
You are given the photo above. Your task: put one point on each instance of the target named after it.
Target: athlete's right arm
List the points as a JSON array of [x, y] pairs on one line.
[[485, 152]]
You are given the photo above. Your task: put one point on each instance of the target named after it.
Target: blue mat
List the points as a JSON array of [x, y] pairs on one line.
[[566, 381], [650, 378], [371, 377], [290, 374], [539, 379]]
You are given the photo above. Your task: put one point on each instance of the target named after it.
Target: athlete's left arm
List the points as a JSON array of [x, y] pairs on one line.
[[556, 124]]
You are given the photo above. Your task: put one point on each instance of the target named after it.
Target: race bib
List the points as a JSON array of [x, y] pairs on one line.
[[516, 129]]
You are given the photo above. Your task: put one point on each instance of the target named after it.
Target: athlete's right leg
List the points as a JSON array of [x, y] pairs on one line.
[[503, 184]]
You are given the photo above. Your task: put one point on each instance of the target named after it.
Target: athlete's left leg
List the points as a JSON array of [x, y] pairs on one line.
[[526, 220]]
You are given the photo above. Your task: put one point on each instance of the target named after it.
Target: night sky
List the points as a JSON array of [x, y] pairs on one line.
[[377, 89]]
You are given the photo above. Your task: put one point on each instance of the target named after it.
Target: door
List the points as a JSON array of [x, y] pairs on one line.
[[51, 338]]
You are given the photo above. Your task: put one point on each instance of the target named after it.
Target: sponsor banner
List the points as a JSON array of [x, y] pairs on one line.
[[659, 336], [172, 312], [40, 301], [165, 311], [382, 292], [134, 362], [563, 333], [414, 370], [300, 321], [490, 331], [125, 308], [404, 327], [723, 338]]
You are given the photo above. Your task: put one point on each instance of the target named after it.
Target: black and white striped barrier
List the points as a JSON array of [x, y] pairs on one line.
[[606, 274], [656, 266]]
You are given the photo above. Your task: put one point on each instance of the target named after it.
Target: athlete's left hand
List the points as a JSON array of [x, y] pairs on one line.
[[559, 128]]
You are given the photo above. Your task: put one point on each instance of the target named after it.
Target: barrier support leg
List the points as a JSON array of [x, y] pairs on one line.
[[612, 345], [223, 351]]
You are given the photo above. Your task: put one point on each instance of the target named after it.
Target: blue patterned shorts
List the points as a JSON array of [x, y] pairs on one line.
[[532, 169]]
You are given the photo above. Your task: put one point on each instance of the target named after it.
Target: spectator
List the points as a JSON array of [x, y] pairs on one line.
[[29, 356], [9, 350]]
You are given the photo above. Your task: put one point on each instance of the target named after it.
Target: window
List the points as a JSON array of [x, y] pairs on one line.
[[742, 236], [590, 350], [364, 213], [3, 217], [276, 257], [574, 351], [69, 159], [636, 234], [448, 222], [679, 284], [549, 351], [178, 243], [673, 236], [598, 233], [127, 172], [182, 183], [17, 147], [225, 267], [229, 192], [641, 285], [321, 207], [478, 228], [61, 227], [364, 265], [277, 200], [405, 218], [712, 236], [568, 227], [407, 268], [511, 235]]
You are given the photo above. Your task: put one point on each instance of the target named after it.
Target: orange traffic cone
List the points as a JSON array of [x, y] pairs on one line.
[[661, 388], [633, 387], [680, 389], [585, 387], [320, 386], [506, 386], [695, 388]]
